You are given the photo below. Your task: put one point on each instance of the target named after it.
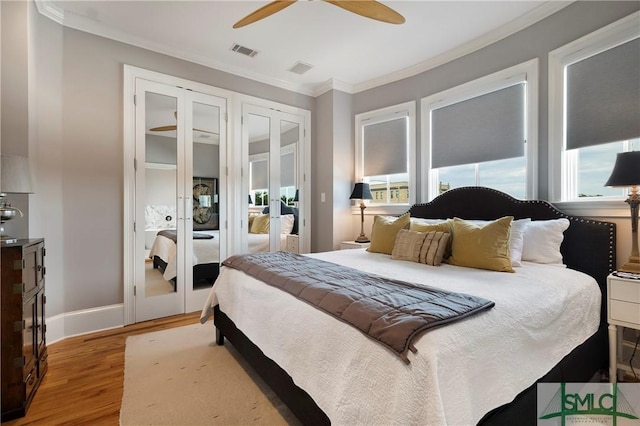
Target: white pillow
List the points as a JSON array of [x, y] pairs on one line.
[[286, 223], [542, 239], [516, 238]]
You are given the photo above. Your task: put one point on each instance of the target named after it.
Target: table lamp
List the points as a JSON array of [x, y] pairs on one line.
[[15, 178], [626, 172], [361, 192]]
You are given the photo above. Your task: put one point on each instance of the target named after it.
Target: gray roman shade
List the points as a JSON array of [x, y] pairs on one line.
[[603, 97], [385, 147], [259, 174], [287, 170], [485, 128]]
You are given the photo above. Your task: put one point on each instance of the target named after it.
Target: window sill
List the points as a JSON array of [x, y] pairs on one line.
[[594, 208], [384, 209]]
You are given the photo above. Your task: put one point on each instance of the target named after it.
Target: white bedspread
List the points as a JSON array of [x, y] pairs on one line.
[[460, 372], [204, 251]]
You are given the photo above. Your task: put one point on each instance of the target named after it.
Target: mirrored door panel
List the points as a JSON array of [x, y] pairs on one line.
[[289, 187], [159, 206], [259, 221], [180, 198], [272, 139], [208, 239]]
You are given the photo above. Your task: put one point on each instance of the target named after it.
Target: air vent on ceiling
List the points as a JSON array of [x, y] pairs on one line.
[[300, 68], [244, 50]]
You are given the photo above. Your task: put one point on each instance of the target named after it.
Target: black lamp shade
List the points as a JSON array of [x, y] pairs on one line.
[[626, 171], [295, 197], [361, 191]]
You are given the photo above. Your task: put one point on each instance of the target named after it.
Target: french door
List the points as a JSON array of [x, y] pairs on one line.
[[180, 198], [273, 142]]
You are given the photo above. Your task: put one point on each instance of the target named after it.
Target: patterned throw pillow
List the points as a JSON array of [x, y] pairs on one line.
[[422, 247], [434, 246]]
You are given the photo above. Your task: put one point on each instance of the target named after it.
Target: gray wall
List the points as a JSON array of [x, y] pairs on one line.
[[80, 81], [15, 100], [536, 41], [75, 132]]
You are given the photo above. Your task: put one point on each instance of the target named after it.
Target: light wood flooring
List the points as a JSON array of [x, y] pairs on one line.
[[84, 383]]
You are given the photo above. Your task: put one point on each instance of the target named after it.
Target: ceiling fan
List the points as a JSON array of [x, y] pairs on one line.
[[171, 127], [367, 8]]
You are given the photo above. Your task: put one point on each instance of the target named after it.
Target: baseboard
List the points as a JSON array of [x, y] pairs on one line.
[[70, 324]]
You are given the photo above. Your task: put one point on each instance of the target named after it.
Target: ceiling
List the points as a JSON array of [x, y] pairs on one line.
[[346, 51]]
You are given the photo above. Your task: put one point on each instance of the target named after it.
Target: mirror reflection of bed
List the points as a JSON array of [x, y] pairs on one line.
[[162, 263]]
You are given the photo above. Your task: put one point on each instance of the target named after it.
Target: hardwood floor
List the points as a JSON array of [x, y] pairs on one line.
[[84, 383]]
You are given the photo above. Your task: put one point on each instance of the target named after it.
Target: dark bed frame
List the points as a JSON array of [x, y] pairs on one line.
[[204, 274], [588, 246]]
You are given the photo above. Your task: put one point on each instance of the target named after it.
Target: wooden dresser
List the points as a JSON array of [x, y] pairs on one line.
[[24, 350]]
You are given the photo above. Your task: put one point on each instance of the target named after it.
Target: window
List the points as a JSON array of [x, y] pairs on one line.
[[594, 93], [259, 179], [483, 133], [385, 143]]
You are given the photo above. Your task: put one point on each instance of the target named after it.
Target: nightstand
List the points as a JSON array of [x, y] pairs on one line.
[[623, 307], [346, 245], [292, 243]]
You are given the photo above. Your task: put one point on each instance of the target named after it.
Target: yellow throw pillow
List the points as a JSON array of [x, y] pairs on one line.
[[482, 247], [250, 222], [384, 232], [260, 224]]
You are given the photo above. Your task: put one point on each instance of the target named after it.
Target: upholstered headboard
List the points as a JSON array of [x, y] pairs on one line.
[[588, 245]]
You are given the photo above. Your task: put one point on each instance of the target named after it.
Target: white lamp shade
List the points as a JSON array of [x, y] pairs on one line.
[[15, 175]]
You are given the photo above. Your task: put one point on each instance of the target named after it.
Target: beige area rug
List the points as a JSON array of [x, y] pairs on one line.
[[181, 377]]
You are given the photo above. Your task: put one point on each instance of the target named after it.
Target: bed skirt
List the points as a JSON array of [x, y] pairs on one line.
[[579, 366]]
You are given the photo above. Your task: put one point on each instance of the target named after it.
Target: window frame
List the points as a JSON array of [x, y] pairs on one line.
[[407, 109], [526, 72], [562, 163]]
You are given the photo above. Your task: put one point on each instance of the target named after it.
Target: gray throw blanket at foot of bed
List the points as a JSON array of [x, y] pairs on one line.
[[173, 235], [389, 311]]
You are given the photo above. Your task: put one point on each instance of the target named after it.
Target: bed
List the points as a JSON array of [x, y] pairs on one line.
[[206, 248], [353, 380]]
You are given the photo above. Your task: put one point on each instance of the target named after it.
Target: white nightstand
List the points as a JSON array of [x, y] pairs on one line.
[[623, 307], [346, 245], [293, 243]]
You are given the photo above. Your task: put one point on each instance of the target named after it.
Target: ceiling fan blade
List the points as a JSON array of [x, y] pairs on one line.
[[164, 128], [370, 9], [206, 131], [266, 10]]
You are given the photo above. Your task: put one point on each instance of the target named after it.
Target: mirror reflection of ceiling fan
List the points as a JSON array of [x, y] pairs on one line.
[[367, 8], [171, 127]]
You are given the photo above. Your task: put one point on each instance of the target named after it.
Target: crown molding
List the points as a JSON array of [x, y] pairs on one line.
[[541, 12], [84, 24], [332, 84], [47, 9]]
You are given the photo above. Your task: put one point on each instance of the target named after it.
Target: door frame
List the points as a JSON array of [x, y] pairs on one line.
[[131, 74], [231, 180]]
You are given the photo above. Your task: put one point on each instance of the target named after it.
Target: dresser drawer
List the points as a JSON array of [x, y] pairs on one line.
[[624, 311], [624, 290]]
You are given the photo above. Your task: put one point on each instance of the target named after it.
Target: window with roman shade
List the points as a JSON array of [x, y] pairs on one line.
[[385, 141], [594, 86], [483, 133], [484, 128]]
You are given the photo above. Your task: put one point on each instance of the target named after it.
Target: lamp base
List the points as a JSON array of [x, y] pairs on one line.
[[6, 239], [633, 265], [362, 239]]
